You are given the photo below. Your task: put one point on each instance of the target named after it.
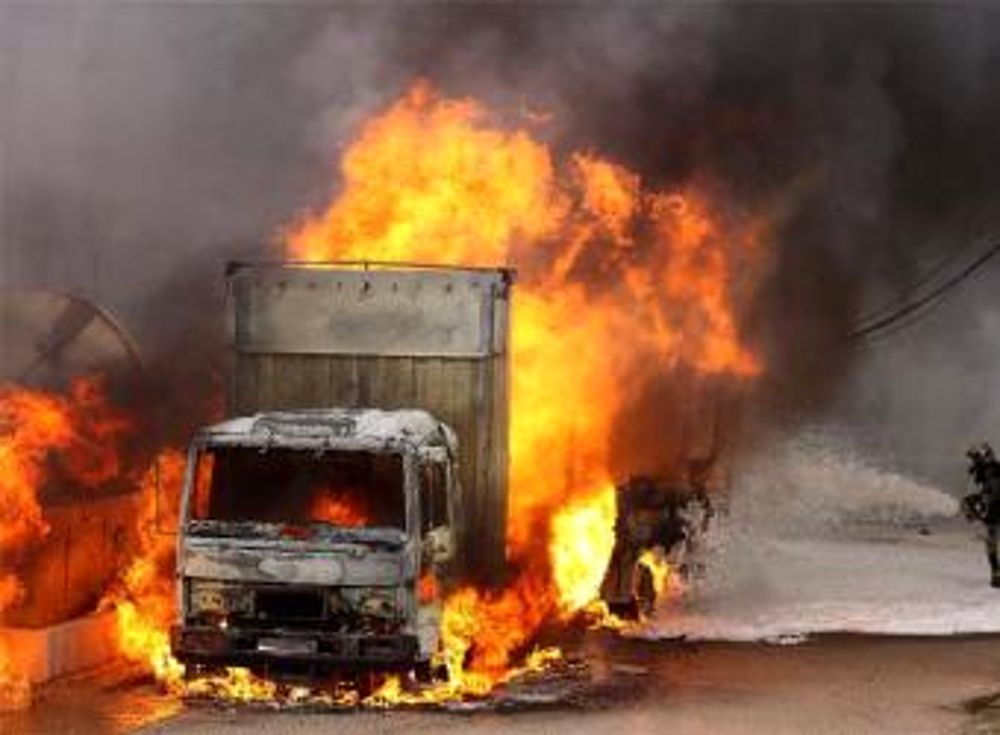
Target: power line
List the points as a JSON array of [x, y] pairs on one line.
[[879, 325], [925, 279], [902, 325]]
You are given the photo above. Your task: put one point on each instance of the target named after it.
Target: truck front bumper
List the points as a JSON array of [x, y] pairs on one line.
[[213, 646]]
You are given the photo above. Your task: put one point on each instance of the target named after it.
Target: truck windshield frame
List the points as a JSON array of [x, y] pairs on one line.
[[435, 493], [326, 487]]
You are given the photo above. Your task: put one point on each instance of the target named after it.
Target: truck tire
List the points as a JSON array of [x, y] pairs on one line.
[[428, 672]]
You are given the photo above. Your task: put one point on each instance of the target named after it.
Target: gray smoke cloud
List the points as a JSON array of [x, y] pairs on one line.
[[143, 144]]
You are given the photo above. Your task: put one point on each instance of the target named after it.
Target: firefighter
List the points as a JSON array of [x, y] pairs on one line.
[[984, 504]]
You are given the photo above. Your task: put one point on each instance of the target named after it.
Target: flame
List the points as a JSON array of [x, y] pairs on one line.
[[338, 509], [428, 587], [237, 685], [35, 427], [582, 536], [615, 279], [46, 439], [659, 570], [15, 689], [481, 631], [422, 182], [144, 598], [392, 691]]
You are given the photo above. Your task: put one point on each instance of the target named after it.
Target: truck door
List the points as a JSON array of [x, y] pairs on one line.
[[436, 532]]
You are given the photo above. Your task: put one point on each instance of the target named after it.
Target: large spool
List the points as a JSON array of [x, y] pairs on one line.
[[46, 339], [49, 337]]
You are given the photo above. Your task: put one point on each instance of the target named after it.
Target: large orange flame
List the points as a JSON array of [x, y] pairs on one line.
[[144, 597], [45, 438], [615, 280]]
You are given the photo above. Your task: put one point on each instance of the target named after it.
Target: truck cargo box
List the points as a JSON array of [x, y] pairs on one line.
[[390, 337]]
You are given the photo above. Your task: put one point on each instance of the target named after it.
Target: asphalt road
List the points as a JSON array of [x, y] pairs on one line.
[[888, 578], [835, 684]]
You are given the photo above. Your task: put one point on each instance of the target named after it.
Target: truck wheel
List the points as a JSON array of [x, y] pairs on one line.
[[427, 672], [423, 672], [366, 683]]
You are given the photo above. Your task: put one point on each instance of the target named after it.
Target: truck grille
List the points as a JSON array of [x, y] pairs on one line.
[[289, 605]]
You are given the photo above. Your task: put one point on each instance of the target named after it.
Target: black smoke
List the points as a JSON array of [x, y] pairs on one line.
[[141, 145]]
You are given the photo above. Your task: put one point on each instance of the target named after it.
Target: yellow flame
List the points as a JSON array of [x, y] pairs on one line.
[[15, 689], [659, 569], [583, 537], [618, 281]]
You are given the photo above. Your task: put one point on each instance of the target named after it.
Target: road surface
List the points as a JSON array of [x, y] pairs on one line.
[[834, 684]]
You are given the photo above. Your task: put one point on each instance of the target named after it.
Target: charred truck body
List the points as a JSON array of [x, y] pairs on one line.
[[369, 467], [664, 511], [653, 517]]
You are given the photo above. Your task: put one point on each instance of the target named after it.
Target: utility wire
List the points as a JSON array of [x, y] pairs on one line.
[[925, 279], [901, 325], [907, 321], [879, 325]]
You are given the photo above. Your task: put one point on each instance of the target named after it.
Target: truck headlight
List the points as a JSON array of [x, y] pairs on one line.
[[219, 598]]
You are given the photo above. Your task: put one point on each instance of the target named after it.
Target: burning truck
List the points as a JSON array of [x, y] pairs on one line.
[[316, 539], [365, 473], [319, 532], [621, 285]]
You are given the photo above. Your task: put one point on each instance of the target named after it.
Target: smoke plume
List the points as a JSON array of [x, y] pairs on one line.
[[142, 145]]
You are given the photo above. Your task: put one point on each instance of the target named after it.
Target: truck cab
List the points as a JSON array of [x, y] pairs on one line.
[[316, 539]]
